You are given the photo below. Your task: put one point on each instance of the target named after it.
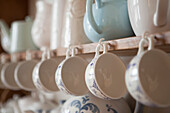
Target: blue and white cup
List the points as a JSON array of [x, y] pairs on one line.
[[70, 75], [44, 73], [147, 76], [105, 75]]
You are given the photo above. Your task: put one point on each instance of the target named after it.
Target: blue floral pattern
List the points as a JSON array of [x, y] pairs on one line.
[[59, 80], [109, 108], [91, 83], [36, 79], [132, 82], [84, 106]]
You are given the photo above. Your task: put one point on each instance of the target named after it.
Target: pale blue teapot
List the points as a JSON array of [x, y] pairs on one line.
[[107, 19]]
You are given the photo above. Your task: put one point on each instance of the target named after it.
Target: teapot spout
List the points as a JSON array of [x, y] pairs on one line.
[[5, 36]]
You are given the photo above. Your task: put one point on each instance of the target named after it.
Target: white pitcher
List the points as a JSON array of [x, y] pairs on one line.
[[149, 15], [42, 24], [73, 32], [58, 11]]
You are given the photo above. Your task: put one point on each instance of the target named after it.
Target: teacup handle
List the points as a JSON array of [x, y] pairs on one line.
[[105, 48], [145, 39], [14, 57], [46, 54], [28, 55], [98, 47], [68, 53], [73, 51], [3, 58]]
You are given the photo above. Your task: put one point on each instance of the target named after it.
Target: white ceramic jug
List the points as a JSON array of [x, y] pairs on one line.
[[149, 15], [73, 32], [42, 24], [58, 12]]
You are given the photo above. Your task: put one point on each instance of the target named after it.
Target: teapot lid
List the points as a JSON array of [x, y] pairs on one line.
[[27, 20]]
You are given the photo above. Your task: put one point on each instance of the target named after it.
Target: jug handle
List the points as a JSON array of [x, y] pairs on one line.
[[90, 16], [161, 14]]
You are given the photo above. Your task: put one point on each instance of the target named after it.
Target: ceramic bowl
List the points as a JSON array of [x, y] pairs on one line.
[[91, 104]]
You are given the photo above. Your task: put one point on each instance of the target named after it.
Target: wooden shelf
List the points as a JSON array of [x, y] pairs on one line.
[[125, 45]]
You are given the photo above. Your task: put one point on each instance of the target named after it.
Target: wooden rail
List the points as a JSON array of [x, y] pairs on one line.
[[162, 41]]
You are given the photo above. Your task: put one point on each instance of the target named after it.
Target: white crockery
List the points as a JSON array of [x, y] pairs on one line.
[[91, 104], [147, 76], [72, 27], [42, 24], [150, 15], [23, 73], [7, 73], [1, 84], [70, 76], [44, 73], [105, 75], [3, 61], [34, 104], [58, 13], [12, 105]]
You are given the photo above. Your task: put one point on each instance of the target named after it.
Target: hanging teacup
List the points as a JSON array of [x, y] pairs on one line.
[[7, 73], [147, 76], [70, 76], [44, 73], [105, 75], [23, 73]]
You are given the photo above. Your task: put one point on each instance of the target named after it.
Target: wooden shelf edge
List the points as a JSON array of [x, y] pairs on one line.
[[161, 40]]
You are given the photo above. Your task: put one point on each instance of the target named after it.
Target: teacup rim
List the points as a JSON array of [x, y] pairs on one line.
[[3, 74], [139, 79], [63, 62], [97, 81], [16, 75]]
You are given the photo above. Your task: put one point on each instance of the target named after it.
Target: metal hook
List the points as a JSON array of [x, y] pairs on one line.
[[99, 45], [28, 55], [68, 52], [3, 58], [100, 41], [105, 48], [46, 53], [14, 57], [145, 35]]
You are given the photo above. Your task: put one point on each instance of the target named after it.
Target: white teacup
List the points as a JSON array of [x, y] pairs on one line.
[[147, 76], [3, 59], [70, 76], [23, 73], [1, 84], [44, 73], [105, 75], [7, 74]]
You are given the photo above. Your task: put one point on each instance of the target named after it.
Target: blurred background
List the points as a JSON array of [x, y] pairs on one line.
[[12, 10]]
